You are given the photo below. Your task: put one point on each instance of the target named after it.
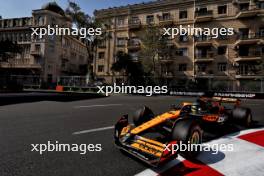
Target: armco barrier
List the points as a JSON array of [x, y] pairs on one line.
[[221, 94]]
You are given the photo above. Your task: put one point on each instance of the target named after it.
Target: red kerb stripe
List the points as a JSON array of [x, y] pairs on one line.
[[255, 137], [189, 168]]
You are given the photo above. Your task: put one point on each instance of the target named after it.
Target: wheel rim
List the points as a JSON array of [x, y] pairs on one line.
[[195, 138]]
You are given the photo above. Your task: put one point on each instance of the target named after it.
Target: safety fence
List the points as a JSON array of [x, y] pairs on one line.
[[175, 84]]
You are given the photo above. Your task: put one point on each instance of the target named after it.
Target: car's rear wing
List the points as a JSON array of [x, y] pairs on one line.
[[221, 100]]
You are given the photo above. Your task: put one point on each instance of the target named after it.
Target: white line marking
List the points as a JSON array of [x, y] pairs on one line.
[[156, 171], [93, 130], [92, 106]]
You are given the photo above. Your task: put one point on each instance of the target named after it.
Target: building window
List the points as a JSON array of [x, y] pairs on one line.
[[260, 5], [221, 67], [166, 16], [100, 68], [37, 47], [182, 67], [221, 50], [222, 9], [261, 32], [101, 55], [120, 21], [121, 42], [134, 20], [183, 38], [40, 21], [150, 19], [183, 14], [244, 33], [200, 11], [182, 52], [244, 6], [201, 68]]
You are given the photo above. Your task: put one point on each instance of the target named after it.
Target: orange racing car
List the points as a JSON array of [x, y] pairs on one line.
[[150, 137]]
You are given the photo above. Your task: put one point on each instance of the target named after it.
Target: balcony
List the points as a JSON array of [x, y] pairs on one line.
[[133, 45], [247, 12], [246, 76], [204, 74], [252, 56], [134, 23], [102, 46], [203, 41], [249, 39], [19, 63], [165, 20], [167, 74], [35, 53], [200, 58], [203, 16], [249, 74], [167, 59]]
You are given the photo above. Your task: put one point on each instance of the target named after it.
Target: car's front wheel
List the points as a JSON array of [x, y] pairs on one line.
[[142, 115], [188, 133]]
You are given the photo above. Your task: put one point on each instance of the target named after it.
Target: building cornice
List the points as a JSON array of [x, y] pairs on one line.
[[153, 6]]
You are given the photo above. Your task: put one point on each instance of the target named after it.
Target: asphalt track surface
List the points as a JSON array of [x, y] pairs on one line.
[[82, 122]]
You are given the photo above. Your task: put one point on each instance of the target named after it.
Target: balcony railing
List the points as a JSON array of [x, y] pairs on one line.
[[204, 57], [250, 56], [249, 11], [203, 13], [133, 44], [203, 41], [19, 63], [36, 52], [134, 23], [102, 46], [166, 19], [202, 16], [202, 38], [250, 36]]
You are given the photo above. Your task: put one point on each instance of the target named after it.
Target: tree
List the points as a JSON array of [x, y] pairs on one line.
[[154, 47], [130, 68], [8, 50], [83, 20]]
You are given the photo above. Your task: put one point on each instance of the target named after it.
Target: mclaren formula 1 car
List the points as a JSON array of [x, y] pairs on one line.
[[151, 137]]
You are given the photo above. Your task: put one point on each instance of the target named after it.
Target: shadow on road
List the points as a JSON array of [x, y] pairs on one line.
[[16, 98]]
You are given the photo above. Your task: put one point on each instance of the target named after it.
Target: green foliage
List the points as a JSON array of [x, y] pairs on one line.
[[82, 20], [154, 47], [8, 50], [132, 69]]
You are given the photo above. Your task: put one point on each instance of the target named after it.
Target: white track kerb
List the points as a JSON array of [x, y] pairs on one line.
[[247, 159]]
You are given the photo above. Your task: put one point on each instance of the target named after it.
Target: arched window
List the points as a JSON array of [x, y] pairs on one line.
[[40, 21]]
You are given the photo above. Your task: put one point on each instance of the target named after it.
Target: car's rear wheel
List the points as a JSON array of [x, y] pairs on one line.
[[242, 116], [142, 115], [189, 133]]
